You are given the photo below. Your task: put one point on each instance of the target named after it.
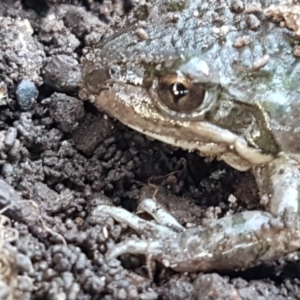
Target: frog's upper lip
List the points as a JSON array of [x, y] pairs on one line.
[[221, 140]]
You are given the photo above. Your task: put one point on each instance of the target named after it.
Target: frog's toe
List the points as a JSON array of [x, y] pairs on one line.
[[159, 214], [279, 184], [144, 247], [138, 224]]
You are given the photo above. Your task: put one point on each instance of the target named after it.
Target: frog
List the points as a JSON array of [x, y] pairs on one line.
[[218, 78]]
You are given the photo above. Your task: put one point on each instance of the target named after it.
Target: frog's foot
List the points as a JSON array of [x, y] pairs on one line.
[[233, 242], [279, 185], [167, 227], [166, 224], [159, 214]]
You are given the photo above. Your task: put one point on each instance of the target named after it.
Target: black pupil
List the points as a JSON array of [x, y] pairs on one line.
[[178, 91]]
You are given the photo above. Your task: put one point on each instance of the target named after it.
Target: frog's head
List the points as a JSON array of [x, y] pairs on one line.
[[189, 85], [180, 99]]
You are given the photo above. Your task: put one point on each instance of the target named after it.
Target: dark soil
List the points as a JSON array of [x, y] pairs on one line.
[[67, 158]]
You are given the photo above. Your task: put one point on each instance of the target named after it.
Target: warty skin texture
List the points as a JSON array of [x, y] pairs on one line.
[[186, 83]]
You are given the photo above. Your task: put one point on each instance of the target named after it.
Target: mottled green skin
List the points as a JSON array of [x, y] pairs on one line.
[[261, 107]]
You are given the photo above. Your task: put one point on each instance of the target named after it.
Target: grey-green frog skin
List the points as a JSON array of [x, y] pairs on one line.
[[197, 77]]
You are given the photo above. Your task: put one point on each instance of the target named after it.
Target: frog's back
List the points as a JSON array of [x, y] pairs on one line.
[[253, 55]]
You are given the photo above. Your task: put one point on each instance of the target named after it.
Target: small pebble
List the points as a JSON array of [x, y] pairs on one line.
[[296, 51], [253, 22], [142, 34], [26, 94], [260, 63], [253, 8], [3, 93], [232, 199], [242, 41], [10, 137], [237, 6]]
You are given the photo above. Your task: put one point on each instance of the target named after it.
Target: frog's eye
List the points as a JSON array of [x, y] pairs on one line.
[[183, 87], [179, 93]]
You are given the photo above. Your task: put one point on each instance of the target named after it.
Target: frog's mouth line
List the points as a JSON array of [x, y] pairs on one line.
[[227, 147], [132, 109]]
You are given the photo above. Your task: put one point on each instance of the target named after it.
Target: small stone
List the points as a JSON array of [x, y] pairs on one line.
[[10, 137], [242, 41], [253, 22], [232, 199], [26, 94], [3, 94], [237, 6], [253, 8], [142, 34], [260, 63], [296, 50]]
